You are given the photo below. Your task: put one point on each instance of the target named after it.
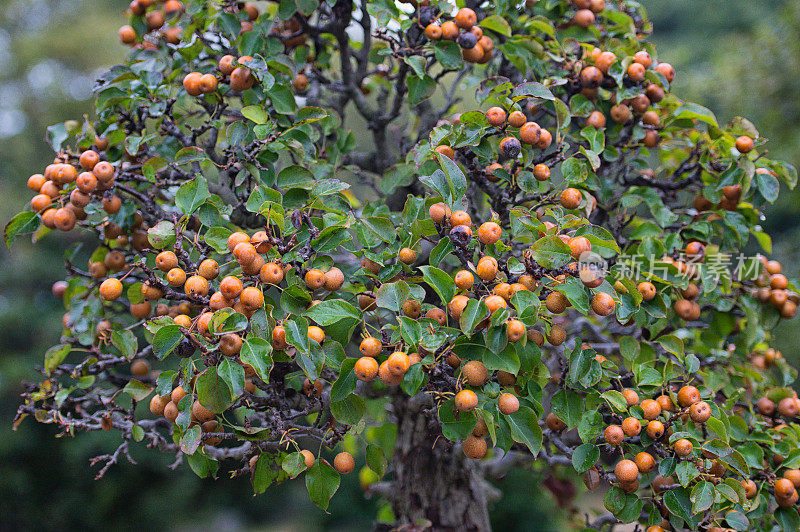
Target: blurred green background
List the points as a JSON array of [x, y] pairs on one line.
[[737, 57]]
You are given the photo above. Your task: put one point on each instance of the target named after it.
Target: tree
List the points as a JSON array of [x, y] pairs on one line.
[[542, 276]]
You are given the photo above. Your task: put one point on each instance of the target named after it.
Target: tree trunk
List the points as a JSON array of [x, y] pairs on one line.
[[435, 485]]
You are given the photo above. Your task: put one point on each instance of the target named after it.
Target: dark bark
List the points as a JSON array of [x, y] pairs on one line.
[[435, 484]]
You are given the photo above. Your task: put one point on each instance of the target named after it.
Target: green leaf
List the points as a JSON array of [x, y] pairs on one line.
[[376, 459], [233, 375], [295, 176], [788, 519], [297, 334], [392, 295], [256, 352], [332, 311], [568, 405], [202, 465], [615, 399], [532, 89], [348, 411], [191, 439], [417, 64], [192, 194], [166, 340], [575, 292], [346, 383], [325, 187], [768, 186], [126, 342], [585, 456], [22, 223], [138, 390], [192, 154], [293, 464], [161, 235], [448, 54], [525, 428], [497, 24], [420, 89], [442, 284], [322, 481], [456, 180], [213, 392], [255, 113], [472, 314], [693, 111], [576, 171], [551, 252], [282, 99], [702, 496], [413, 379]]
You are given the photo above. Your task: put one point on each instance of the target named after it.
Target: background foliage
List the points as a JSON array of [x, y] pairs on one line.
[[736, 57]]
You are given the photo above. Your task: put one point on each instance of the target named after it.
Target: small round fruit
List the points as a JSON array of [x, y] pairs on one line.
[[464, 279], [541, 172], [370, 347], [517, 118], [487, 268], [510, 147], [407, 256], [530, 133], [688, 395], [787, 407], [344, 463], [446, 151], [208, 83], [631, 426], [644, 462], [111, 289], [398, 363], [666, 70], [683, 447], [647, 290], [466, 400], [515, 330], [439, 212], [475, 373], [626, 471], [613, 435], [655, 429], [507, 403], [466, 18], [603, 304], [191, 82], [314, 279], [489, 233], [554, 423], [651, 409], [571, 198], [474, 447], [456, 306], [700, 412], [166, 260], [496, 116], [366, 369], [433, 31]]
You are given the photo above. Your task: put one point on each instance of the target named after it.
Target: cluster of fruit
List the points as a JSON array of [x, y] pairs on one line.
[[585, 11], [510, 146], [155, 18], [772, 287], [62, 193], [595, 75], [463, 29]]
